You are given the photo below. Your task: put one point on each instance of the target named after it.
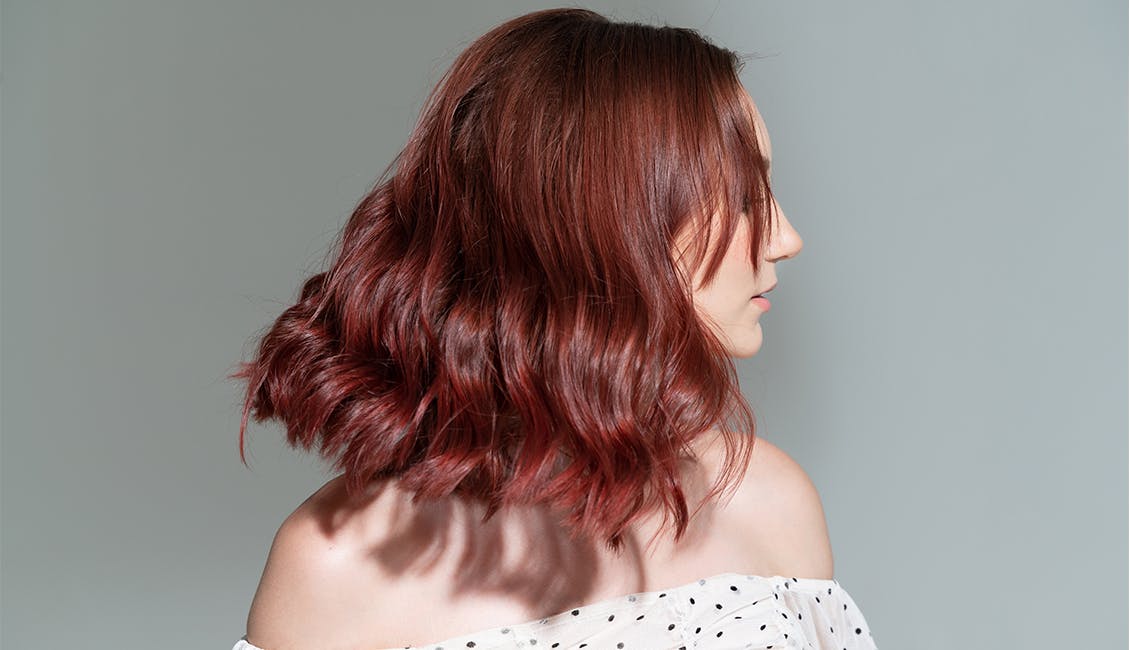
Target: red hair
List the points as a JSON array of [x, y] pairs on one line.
[[503, 317]]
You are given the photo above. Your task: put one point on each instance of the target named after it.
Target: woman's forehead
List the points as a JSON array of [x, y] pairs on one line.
[[762, 131]]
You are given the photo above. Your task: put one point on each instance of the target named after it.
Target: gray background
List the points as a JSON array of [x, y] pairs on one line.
[[946, 357]]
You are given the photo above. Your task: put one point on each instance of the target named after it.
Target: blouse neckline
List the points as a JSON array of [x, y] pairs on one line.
[[604, 606]]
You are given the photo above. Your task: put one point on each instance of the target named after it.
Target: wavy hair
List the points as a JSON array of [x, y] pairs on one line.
[[504, 316]]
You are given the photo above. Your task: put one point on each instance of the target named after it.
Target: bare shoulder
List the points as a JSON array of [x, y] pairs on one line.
[[311, 594], [778, 508]]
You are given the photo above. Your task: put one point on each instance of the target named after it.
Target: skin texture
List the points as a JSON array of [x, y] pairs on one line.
[[725, 304]]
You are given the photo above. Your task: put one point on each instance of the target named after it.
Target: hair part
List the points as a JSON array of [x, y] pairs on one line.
[[503, 317]]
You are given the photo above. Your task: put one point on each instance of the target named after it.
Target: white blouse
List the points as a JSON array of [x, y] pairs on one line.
[[722, 612]]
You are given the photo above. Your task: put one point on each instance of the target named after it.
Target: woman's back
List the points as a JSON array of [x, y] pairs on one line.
[[383, 572]]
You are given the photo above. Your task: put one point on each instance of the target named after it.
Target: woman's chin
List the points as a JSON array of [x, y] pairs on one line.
[[746, 344]]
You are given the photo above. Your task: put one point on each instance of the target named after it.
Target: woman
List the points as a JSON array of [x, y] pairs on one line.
[[521, 362]]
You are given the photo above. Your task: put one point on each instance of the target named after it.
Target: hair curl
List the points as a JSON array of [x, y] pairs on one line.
[[503, 317]]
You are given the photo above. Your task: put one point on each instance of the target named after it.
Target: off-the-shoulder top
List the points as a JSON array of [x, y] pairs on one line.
[[721, 612]]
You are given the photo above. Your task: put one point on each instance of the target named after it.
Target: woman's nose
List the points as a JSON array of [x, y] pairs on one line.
[[785, 241]]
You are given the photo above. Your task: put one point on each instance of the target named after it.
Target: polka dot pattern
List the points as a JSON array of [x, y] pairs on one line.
[[725, 611]]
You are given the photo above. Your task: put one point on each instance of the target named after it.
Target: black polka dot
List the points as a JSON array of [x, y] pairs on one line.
[[470, 644], [717, 605], [611, 616], [620, 645], [670, 627], [858, 631], [575, 612], [640, 617], [719, 634], [692, 601]]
